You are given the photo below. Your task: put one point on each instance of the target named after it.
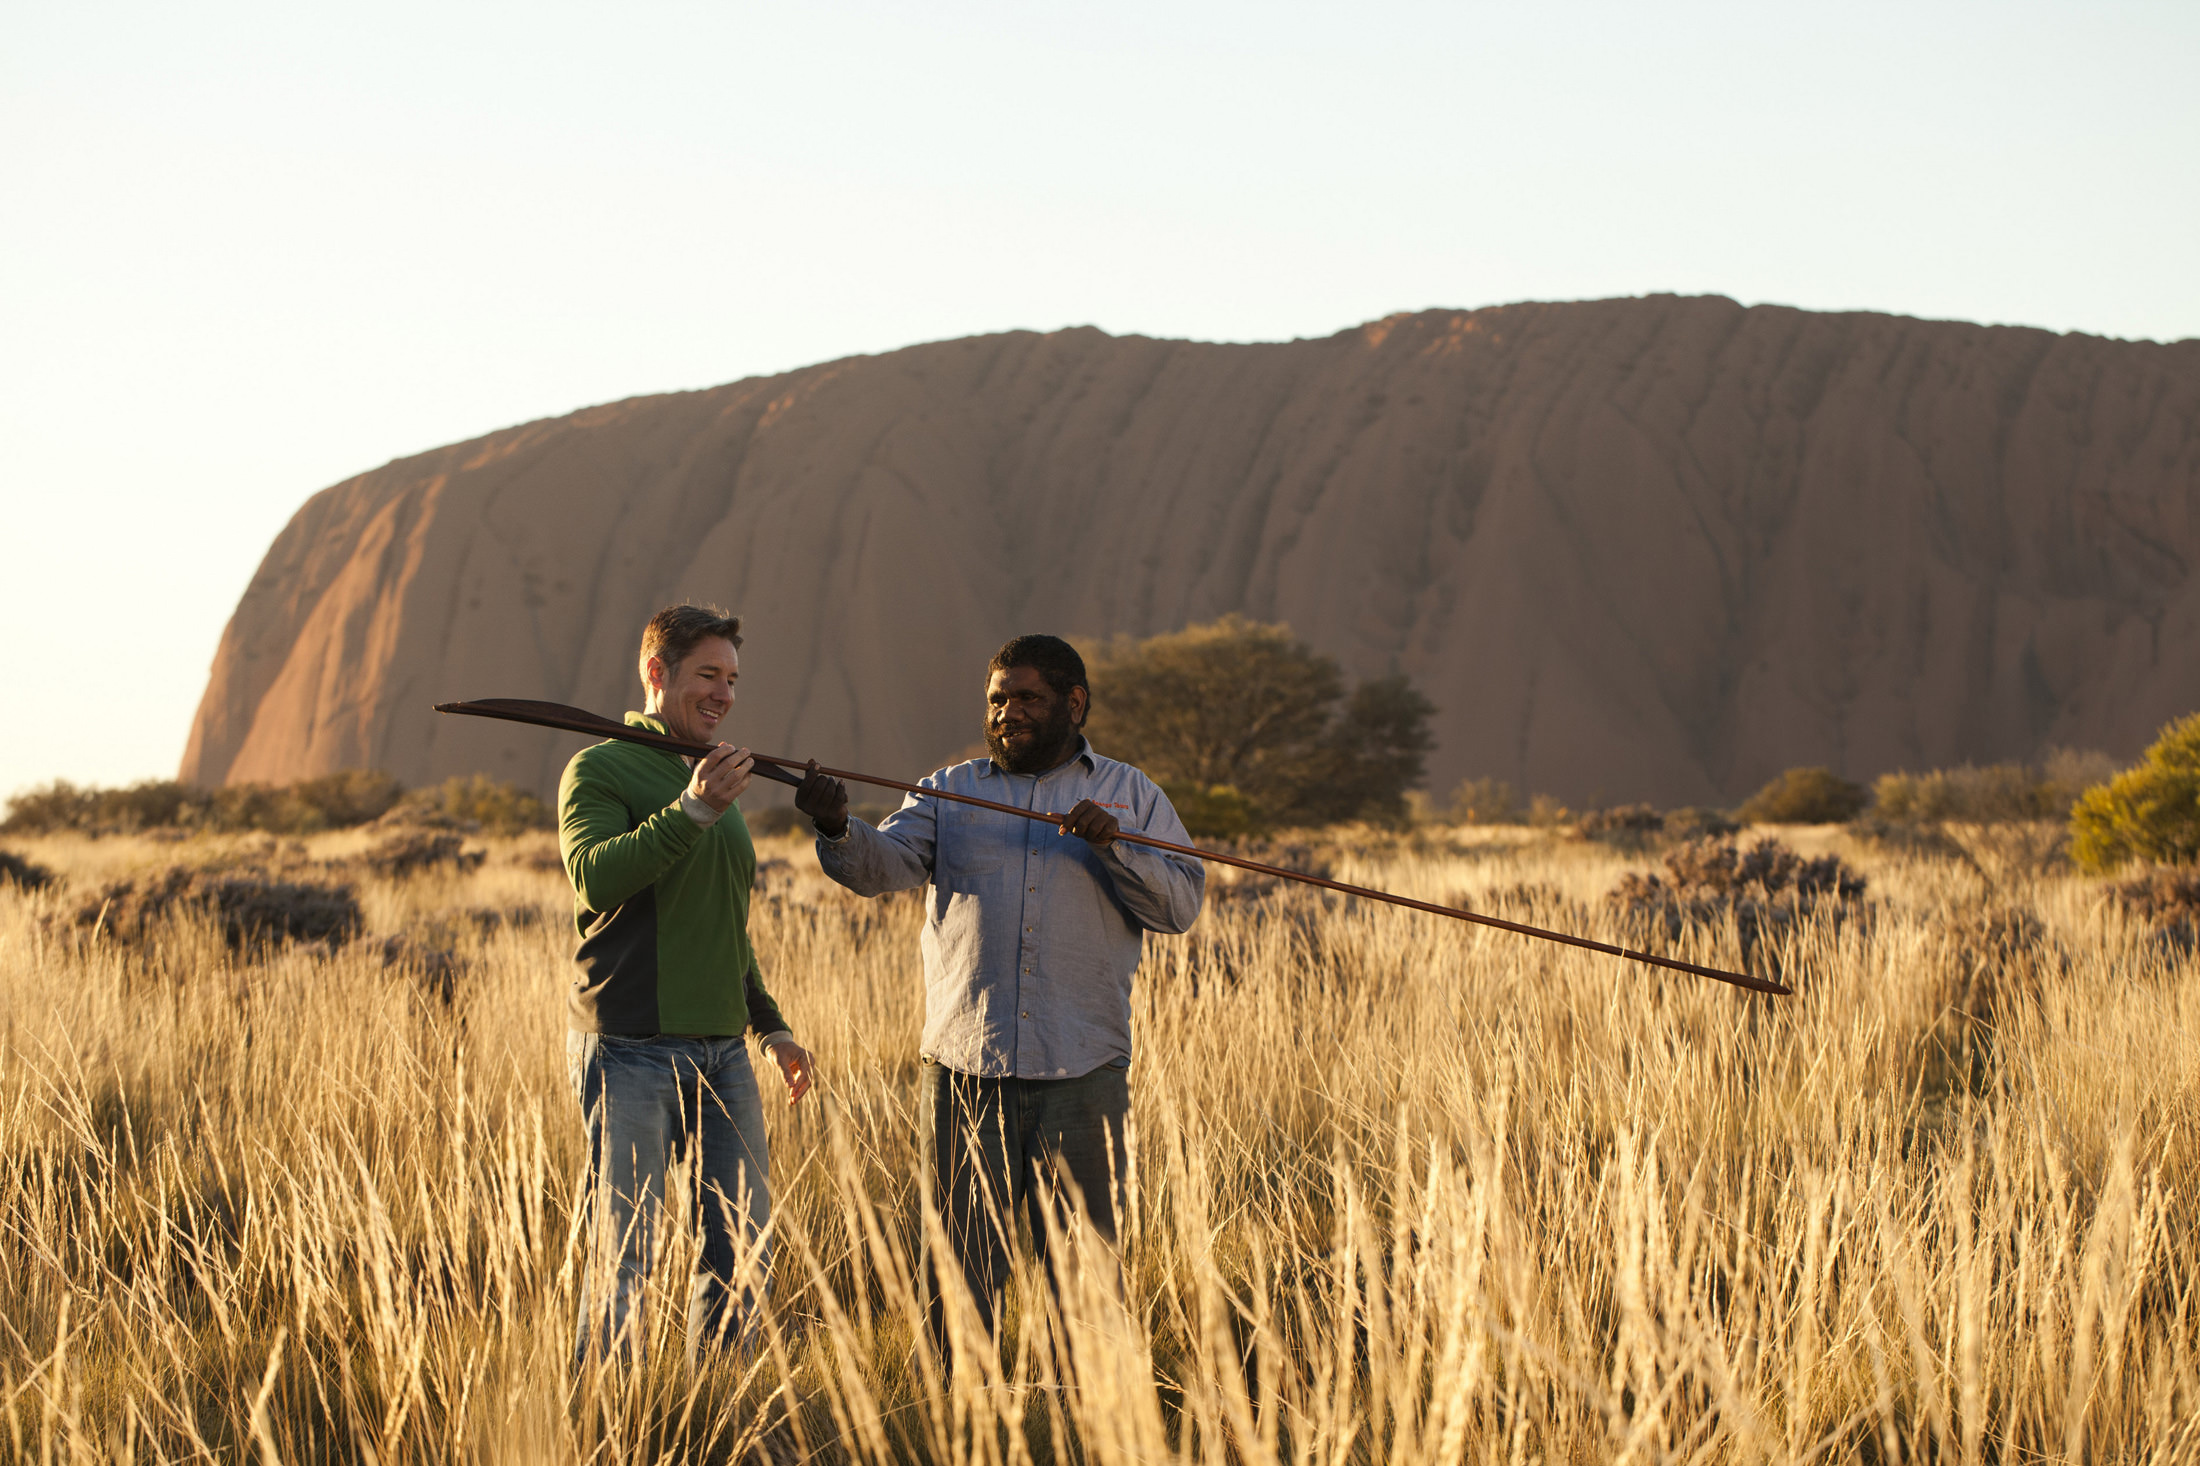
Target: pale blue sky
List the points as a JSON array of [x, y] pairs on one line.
[[250, 250]]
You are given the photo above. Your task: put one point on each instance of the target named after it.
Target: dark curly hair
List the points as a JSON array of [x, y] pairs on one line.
[[1051, 657]]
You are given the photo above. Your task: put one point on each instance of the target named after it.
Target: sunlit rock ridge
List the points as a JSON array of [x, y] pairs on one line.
[[1633, 549]]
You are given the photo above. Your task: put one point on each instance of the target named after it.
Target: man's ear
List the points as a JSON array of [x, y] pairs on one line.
[[1080, 703], [653, 675]]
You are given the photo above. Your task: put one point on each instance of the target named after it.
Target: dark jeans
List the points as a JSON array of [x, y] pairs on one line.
[[651, 1104], [991, 1148]]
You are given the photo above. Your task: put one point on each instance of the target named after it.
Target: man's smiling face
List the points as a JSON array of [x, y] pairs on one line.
[[1029, 727], [693, 696]]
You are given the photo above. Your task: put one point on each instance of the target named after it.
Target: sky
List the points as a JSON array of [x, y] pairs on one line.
[[250, 250]]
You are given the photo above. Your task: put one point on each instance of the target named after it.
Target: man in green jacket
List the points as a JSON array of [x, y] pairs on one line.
[[661, 865]]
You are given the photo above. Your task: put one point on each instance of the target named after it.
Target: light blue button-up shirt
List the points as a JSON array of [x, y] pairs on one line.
[[1030, 936]]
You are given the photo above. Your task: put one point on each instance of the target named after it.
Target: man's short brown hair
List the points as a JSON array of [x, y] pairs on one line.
[[674, 632]]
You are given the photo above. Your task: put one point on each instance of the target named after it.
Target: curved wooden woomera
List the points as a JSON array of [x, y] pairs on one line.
[[791, 771]]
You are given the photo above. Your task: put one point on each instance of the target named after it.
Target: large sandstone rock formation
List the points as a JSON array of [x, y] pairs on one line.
[[1653, 549]]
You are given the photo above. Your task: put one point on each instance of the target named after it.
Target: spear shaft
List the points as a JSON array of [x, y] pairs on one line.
[[792, 771]]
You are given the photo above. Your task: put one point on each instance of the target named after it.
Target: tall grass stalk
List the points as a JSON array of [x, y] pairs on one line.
[[1402, 1191]]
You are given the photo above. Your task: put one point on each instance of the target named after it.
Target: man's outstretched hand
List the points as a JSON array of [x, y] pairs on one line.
[[795, 1066], [825, 801], [1091, 824]]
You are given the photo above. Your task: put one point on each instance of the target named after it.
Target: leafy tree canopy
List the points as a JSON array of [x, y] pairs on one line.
[[1249, 728]]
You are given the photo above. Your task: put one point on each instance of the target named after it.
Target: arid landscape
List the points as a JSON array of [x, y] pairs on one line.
[[1406, 1190]]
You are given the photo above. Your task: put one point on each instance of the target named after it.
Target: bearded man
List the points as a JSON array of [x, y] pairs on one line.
[[667, 985], [1031, 938]]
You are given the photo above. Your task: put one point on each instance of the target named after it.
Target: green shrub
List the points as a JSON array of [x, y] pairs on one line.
[[2149, 812], [1211, 811], [1813, 796], [498, 808]]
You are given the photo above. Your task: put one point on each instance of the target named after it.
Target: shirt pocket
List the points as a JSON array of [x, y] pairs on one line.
[[973, 851]]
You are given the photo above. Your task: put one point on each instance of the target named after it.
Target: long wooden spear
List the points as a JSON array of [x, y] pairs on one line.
[[792, 771]]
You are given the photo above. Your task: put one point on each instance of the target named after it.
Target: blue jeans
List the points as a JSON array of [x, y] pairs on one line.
[[650, 1104]]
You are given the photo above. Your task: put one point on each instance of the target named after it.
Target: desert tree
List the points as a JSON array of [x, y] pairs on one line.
[[1248, 727]]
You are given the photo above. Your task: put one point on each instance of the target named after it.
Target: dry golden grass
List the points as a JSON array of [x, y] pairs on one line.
[[1405, 1190]]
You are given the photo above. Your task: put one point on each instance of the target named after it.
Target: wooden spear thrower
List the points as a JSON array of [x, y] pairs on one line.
[[792, 771]]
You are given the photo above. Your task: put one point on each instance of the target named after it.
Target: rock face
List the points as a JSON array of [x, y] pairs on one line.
[[1633, 549]]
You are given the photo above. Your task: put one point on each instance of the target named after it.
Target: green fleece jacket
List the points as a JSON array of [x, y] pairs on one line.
[[661, 903]]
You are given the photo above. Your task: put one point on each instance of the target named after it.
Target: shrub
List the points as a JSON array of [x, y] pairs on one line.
[[1812, 796], [1546, 813], [24, 873], [1622, 821], [329, 802], [419, 851], [1766, 886], [1484, 802], [61, 805], [1694, 822], [2149, 812], [1211, 811], [2165, 897], [250, 908], [493, 806]]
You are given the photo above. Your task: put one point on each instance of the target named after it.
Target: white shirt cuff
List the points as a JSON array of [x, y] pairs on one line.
[[703, 815], [782, 1036]]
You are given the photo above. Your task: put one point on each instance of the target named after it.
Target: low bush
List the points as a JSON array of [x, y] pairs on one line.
[[1764, 887], [1694, 822], [1810, 796], [24, 873], [2149, 812], [2167, 898], [1211, 811], [61, 805], [416, 852], [1995, 794], [475, 800], [329, 802], [252, 909], [1484, 802], [1627, 825]]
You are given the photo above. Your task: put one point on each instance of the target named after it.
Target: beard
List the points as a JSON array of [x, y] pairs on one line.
[[1048, 744]]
